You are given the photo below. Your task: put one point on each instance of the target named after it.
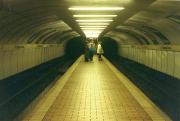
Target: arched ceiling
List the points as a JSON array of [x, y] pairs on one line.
[[36, 21], [50, 21], [31, 28], [159, 23]]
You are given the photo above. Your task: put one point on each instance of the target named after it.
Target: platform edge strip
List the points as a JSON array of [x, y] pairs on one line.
[[38, 109], [151, 109]]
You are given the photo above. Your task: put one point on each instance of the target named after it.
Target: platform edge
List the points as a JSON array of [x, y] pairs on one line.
[[37, 106], [151, 109]]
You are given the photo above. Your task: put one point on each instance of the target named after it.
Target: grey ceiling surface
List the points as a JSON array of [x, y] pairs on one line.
[[158, 24], [36, 21]]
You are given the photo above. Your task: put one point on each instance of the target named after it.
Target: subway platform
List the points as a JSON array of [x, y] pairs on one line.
[[93, 91]]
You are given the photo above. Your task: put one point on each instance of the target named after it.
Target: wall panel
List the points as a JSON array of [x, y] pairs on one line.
[[170, 63], [166, 61], [154, 56], [177, 65], [158, 60], [14, 60], [1, 65], [7, 62]]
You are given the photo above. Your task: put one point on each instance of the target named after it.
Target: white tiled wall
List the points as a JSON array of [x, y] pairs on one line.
[[170, 63], [165, 61], [17, 60], [177, 64]]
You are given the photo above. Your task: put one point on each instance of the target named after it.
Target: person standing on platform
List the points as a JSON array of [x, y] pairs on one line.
[[91, 50], [99, 52], [86, 53]]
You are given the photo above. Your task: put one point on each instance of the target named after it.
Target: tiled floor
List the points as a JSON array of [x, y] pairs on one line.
[[94, 93]]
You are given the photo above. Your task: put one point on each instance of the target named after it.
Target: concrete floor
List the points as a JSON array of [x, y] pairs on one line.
[[93, 92]]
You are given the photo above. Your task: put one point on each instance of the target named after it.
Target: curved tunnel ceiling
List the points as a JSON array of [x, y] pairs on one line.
[[141, 22], [160, 22], [25, 29], [29, 17]]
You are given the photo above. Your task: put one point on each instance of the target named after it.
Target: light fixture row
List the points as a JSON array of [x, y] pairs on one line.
[[93, 24]]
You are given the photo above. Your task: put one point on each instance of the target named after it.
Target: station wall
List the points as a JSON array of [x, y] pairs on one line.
[[155, 57], [17, 58]]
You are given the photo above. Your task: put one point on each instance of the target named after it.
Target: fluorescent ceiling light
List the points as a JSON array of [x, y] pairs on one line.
[[94, 20], [88, 24], [93, 26], [91, 33], [92, 36], [98, 16], [96, 8]]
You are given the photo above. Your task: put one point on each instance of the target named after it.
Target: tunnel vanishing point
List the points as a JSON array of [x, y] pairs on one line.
[[44, 76]]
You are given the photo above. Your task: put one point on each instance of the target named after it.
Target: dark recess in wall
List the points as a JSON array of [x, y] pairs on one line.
[[75, 47], [110, 47]]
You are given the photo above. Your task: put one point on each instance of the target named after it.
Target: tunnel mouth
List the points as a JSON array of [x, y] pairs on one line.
[[74, 47], [110, 47]]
